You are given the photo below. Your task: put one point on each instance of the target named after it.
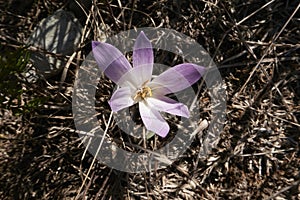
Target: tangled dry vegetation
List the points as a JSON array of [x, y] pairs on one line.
[[255, 44]]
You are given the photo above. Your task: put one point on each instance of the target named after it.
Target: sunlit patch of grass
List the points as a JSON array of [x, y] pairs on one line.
[[13, 85], [12, 64]]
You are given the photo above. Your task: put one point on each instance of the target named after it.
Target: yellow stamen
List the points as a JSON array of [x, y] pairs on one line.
[[142, 93]]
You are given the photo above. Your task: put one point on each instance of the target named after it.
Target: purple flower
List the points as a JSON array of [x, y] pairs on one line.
[[137, 86]]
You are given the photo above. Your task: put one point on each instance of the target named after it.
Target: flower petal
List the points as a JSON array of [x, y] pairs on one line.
[[168, 105], [153, 120], [177, 78], [120, 99], [134, 78], [110, 60], [143, 55]]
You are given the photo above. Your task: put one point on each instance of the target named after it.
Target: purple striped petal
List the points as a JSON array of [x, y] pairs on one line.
[[120, 99], [110, 60], [143, 55], [153, 120], [142, 51], [177, 78], [168, 105]]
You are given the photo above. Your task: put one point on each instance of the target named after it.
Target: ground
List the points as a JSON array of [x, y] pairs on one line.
[[255, 45]]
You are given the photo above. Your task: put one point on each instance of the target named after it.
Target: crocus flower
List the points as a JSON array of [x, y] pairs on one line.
[[137, 86]]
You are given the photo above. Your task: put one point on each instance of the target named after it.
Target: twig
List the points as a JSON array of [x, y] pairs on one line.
[[267, 50], [283, 190], [97, 152]]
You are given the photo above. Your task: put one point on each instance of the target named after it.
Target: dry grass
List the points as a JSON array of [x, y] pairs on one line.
[[256, 46]]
